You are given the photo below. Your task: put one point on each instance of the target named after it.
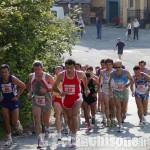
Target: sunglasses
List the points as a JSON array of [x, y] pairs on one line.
[[117, 67]]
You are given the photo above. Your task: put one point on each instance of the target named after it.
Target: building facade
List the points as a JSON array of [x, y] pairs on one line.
[[125, 10]]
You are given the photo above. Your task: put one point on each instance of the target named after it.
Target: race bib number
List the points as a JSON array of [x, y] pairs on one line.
[[140, 86], [119, 86], [6, 88], [141, 89], [69, 89], [40, 100]]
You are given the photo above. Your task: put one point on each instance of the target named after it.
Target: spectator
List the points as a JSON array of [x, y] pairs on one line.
[[99, 27], [136, 29]]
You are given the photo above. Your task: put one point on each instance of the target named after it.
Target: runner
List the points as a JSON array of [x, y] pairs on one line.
[[40, 84], [71, 92], [90, 100], [10, 100], [120, 90], [143, 68], [100, 99], [141, 93], [58, 106], [108, 101]]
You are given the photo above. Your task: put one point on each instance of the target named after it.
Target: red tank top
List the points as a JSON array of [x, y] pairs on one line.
[[71, 86]]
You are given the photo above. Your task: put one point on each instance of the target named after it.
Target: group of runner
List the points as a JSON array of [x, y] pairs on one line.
[[75, 88]]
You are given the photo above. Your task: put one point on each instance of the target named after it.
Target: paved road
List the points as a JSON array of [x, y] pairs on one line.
[[90, 51]]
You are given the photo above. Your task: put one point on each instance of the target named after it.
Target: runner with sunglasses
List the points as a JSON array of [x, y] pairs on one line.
[[120, 90]]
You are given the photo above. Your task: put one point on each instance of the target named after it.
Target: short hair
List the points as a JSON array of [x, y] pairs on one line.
[[90, 68], [37, 64], [136, 67], [5, 66], [70, 62], [142, 62], [109, 61], [118, 61], [87, 75], [102, 61], [78, 64], [59, 66]]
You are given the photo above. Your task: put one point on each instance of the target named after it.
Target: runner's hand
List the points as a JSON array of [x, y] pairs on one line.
[[15, 98], [62, 94], [87, 92], [43, 90], [30, 95], [94, 95]]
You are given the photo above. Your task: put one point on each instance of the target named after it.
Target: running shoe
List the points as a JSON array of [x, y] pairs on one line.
[[113, 123], [141, 124], [124, 116], [73, 142], [40, 144], [120, 128], [93, 121], [144, 120], [108, 123], [66, 130], [145, 113], [104, 120], [8, 142], [59, 137], [88, 127], [47, 129]]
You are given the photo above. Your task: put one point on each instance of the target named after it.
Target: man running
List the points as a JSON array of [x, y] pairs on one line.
[[120, 90], [58, 106], [143, 68], [90, 100], [9, 100], [71, 92], [141, 92], [108, 101], [40, 84]]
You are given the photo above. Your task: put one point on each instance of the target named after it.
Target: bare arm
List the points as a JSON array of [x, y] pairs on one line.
[[131, 80], [50, 82], [101, 77], [147, 78], [97, 84], [57, 82], [109, 84], [131, 86], [82, 76], [20, 84]]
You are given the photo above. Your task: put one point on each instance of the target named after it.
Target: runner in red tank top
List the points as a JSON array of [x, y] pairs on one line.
[[72, 89], [71, 94]]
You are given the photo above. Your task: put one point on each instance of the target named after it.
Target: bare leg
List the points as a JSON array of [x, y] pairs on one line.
[[58, 112]]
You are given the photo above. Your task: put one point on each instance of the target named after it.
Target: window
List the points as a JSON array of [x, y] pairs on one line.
[[130, 3]]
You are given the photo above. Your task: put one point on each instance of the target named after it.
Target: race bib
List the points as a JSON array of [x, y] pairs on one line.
[[40, 100], [119, 86], [69, 89], [140, 86], [141, 89], [6, 88]]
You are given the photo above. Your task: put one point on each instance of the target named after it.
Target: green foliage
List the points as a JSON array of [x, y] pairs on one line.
[[28, 32]]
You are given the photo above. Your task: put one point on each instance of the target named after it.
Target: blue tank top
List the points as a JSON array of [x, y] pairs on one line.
[[8, 90], [141, 86], [120, 81]]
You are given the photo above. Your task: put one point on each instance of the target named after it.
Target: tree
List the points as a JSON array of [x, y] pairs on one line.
[[29, 31]]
